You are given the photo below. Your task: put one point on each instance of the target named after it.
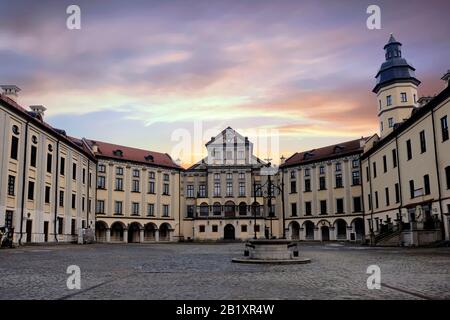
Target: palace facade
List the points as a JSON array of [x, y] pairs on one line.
[[391, 189]]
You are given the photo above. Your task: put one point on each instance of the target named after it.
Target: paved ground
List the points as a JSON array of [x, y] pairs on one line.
[[205, 271]]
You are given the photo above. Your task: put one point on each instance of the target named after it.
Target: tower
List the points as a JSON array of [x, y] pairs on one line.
[[396, 88]]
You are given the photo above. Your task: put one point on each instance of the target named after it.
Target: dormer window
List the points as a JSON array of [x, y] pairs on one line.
[[149, 158], [118, 153], [338, 149], [307, 155]]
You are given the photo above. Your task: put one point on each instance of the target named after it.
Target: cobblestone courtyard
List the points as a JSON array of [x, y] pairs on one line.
[[205, 271]]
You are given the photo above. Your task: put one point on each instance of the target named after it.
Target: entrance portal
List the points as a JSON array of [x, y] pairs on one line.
[[228, 232]]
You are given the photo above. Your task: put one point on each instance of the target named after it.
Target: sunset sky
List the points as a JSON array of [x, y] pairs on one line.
[[142, 73]]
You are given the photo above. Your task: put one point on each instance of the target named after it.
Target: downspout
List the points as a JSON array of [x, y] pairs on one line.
[[438, 177], [362, 197], [179, 205], [371, 200], [399, 178], [282, 202], [25, 173], [56, 191], [88, 207]]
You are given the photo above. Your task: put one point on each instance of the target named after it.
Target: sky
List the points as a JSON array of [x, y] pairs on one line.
[[167, 75]]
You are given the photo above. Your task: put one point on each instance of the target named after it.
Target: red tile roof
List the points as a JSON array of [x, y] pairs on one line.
[[329, 152], [108, 150]]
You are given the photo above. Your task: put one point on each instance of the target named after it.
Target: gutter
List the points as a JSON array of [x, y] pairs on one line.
[[25, 173], [438, 177], [58, 157]]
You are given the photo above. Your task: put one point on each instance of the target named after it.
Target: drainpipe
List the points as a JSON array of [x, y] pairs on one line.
[[282, 203], [25, 173], [399, 181], [179, 205], [438, 177], [56, 191], [88, 207], [362, 197], [371, 201]]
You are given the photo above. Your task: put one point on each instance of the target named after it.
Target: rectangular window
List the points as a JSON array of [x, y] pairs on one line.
[[322, 185], [367, 173], [339, 205], [386, 193], [119, 184], [397, 193], [241, 175], [119, 171], [73, 227], [74, 201], [11, 185], [61, 198], [33, 156], [356, 180], [374, 165], [151, 210], [151, 187], [426, 184], [391, 122], [101, 182], [100, 206], [136, 173], [165, 189], [83, 203], [369, 201], [151, 175], [388, 100], [258, 190], [444, 128], [216, 189], [409, 149], [423, 142], [166, 177], [117, 207], [101, 168], [135, 186], [60, 225], [201, 228], [241, 189], [165, 210], [323, 206], [307, 172], [355, 164], [384, 164], [30, 190], [403, 97], [447, 176], [321, 170], [190, 211], [308, 209], [293, 209], [74, 171], [357, 204], [215, 228], [62, 168], [47, 194], [84, 176], [307, 185], [293, 186], [14, 147], [190, 191], [339, 180], [216, 176], [49, 162], [229, 176], [135, 208], [338, 167], [229, 189], [394, 158], [376, 199], [411, 189], [202, 191], [243, 228]]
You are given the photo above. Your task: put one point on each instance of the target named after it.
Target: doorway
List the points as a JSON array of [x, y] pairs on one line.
[[325, 233], [46, 231], [228, 232], [29, 228]]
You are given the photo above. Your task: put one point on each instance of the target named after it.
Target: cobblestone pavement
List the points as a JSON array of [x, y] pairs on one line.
[[205, 271]]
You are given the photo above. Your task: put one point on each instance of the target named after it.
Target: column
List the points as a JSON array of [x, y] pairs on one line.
[[141, 235], [332, 233], [125, 235], [349, 230], [156, 235], [317, 234], [301, 233], [108, 235]]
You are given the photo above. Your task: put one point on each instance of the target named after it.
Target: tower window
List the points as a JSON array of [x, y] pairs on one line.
[[391, 122], [389, 100], [409, 149], [379, 101], [423, 143], [381, 126], [444, 128], [403, 97]]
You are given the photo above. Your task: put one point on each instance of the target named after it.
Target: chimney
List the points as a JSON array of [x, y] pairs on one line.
[[10, 91], [446, 78], [424, 100], [94, 147], [39, 110]]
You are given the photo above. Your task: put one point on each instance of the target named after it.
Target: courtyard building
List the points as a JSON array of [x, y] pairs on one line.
[[47, 185], [137, 194]]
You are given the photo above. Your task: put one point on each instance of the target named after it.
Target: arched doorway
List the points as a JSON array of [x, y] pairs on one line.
[[358, 226], [100, 231], [309, 230], [164, 232], [228, 232], [295, 230], [230, 209], [150, 232], [341, 229], [242, 209], [134, 232], [117, 232], [325, 233]]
